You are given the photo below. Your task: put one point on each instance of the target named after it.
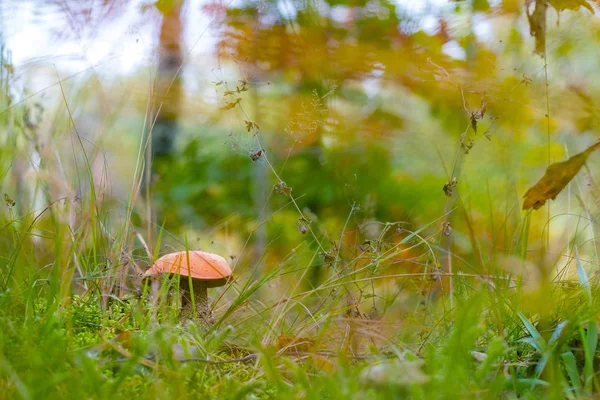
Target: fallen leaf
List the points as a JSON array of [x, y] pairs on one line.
[[322, 363], [479, 356], [394, 374], [294, 344], [557, 176], [123, 338]]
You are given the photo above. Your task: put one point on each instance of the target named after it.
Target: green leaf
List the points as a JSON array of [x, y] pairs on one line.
[[571, 366], [538, 341], [590, 344], [549, 349]]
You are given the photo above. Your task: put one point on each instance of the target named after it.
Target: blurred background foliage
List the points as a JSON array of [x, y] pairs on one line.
[[361, 111]]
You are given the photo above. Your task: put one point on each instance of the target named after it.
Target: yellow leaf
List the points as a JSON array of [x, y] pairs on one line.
[[560, 5], [557, 176]]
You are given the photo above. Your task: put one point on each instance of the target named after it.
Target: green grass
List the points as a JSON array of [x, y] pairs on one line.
[[77, 322], [336, 317], [482, 348], [496, 338]]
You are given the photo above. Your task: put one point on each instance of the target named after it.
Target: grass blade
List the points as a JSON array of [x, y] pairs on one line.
[[583, 278], [571, 366]]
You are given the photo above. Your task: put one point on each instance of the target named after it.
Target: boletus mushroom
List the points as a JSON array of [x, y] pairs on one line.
[[204, 270]]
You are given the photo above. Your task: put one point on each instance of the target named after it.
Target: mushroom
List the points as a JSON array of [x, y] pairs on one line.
[[206, 270]]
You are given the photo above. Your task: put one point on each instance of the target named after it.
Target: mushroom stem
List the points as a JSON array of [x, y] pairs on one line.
[[203, 313]]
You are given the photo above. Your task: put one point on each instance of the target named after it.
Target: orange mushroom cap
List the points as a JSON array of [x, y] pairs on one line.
[[203, 266]]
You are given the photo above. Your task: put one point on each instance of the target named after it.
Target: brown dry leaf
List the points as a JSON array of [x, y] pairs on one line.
[[537, 24], [10, 203], [322, 363], [449, 187], [257, 154], [123, 338], [250, 125], [230, 105], [557, 176], [477, 115], [282, 188], [537, 18], [293, 344]]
